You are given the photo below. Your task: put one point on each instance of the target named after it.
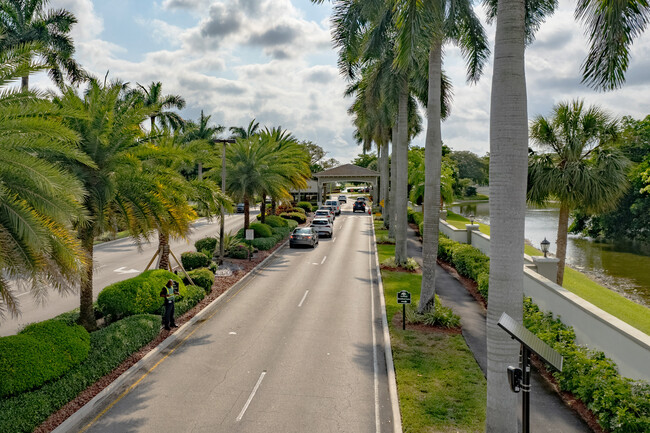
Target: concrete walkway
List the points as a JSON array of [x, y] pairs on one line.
[[547, 411]]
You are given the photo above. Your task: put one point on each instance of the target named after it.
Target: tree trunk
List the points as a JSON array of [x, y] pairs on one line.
[[200, 176], [393, 182], [163, 248], [401, 176], [263, 209], [432, 173], [24, 83], [247, 213], [508, 175], [273, 206], [86, 312], [385, 174], [153, 122], [562, 228]]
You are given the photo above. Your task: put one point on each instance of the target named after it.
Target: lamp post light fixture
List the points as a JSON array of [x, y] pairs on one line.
[[545, 244], [222, 228], [471, 219]]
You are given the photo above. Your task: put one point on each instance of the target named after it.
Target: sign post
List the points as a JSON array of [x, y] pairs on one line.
[[403, 297], [250, 235]]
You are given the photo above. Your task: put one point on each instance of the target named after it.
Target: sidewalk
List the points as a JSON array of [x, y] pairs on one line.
[[547, 411]]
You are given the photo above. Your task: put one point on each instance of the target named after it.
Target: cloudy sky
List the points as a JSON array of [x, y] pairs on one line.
[[273, 60]]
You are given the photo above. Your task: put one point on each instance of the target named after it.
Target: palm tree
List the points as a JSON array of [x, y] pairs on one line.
[[202, 131], [27, 22], [118, 188], [581, 169], [158, 104], [241, 132], [39, 202]]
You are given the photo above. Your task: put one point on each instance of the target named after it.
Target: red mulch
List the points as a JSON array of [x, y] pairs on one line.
[[568, 398], [398, 269], [421, 327], [221, 284]]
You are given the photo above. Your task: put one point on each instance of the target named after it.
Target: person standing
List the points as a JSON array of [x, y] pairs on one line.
[[169, 292]]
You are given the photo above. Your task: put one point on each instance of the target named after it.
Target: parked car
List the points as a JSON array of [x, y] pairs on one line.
[[324, 213], [359, 206], [332, 210], [343, 199], [336, 205], [323, 226], [240, 208], [304, 236]]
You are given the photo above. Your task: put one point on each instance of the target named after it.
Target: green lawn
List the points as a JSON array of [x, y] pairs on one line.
[[385, 251], [441, 387], [459, 222]]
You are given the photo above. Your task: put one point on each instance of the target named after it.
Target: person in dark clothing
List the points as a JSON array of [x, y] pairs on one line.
[[169, 292]]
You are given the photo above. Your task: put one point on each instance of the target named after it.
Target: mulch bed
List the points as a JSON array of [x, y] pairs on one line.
[[398, 269], [221, 284], [568, 398]]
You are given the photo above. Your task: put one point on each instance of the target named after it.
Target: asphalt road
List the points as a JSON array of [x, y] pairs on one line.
[[298, 348], [114, 261]]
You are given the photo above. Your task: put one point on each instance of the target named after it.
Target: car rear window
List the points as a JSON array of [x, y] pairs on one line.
[[303, 231], [319, 222]]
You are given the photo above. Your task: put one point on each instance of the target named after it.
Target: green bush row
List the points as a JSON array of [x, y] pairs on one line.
[[304, 205], [109, 347], [621, 404], [194, 260], [261, 230], [414, 217], [188, 299], [274, 221], [298, 217], [202, 277], [206, 244], [137, 295], [39, 353]]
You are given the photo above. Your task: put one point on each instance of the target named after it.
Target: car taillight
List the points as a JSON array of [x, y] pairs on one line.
[[308, 237], [291, 236]]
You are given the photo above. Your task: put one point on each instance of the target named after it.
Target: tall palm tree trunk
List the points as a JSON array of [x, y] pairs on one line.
[[562, 229], [163, 249], [432, 173], [401, 176], [24, 83], [86, 311], [393, 183], [247, 212], [263, 209], [384, 182], [273, 206], [508, 174]]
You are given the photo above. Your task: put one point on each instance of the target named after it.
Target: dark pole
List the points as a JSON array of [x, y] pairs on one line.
[[222, 228], [525, 387], [403, 317]]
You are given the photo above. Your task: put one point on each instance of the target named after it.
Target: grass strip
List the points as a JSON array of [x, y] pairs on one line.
[[109, 347], [459, 222]]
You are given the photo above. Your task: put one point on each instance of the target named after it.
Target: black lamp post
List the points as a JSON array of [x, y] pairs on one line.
[[545, 245], [471, 219], [222, 228]]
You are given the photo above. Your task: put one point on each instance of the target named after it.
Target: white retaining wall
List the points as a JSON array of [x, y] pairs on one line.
[[595, 328]]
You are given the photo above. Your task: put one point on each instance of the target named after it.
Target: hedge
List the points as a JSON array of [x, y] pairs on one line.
[[202, 277], [137, 295], [264, 243], [39, 353], [207, 243], [620, 404], [292, 224], [304, 205], [238, 252], [274, 221], [194, 260], [295, 216], [109, 347], [190, 297], [261, 230]]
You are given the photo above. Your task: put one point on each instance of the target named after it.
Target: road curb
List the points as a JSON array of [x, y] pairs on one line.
[[388, 351], [75, 419]]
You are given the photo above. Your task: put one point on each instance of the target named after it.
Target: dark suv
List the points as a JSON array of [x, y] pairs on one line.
[[359, 206]]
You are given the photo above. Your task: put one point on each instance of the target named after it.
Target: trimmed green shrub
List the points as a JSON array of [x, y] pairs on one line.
[[202, 277], [469, 261], [483, 281], [190, 297], [261, 230], [109, 347], [295, 216], [207, 243], [137, 295], [292, 224], [40, 352], [239, 251], [194, 260], [304, 205], [442, 316], [445, 248], [275, 221], [264, 243]]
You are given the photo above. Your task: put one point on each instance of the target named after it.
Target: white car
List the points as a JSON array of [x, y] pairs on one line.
[[335, 204], [332, 210], [324, 213], [323, 226]]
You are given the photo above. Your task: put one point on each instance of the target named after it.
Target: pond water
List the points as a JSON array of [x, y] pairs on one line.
[[621, 266]]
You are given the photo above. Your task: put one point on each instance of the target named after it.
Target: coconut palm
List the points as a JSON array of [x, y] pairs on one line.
[[159, 105], [119, 191], [205, 133], [28, 22], [241, 132], [579, 169], [39, 202]]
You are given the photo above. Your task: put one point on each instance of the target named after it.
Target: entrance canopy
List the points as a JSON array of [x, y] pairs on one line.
[[345, 173]]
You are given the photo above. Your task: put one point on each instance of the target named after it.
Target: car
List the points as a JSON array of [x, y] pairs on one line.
[[343, 199], [304, 236], [239, 208], [359, 206], [336, 205], [332, 210], [323, 226], [324, 213], [363, 199]]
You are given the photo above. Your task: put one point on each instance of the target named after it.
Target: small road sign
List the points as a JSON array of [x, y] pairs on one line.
[[403, 297], [250, 234]]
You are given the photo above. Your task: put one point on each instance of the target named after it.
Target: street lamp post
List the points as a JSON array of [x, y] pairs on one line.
[[545, 245], [222, 228]]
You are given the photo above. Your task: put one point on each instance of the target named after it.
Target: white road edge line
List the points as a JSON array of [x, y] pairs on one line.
[[375, 363], [323, 261], [333, 240], [388, 352], [303, 298], [250, 397]]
